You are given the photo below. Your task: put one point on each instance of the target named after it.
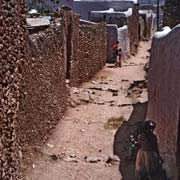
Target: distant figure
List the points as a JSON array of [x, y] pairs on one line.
[[120, 56], [148, 160], [115, 51]]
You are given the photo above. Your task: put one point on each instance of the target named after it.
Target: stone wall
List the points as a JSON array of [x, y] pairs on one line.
[[12, 55], [172, 13], [91, 51], [33, 77], [133, 28], [43, 86], [164, 99]]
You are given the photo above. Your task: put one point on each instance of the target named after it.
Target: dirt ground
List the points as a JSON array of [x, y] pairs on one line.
[[103, 113]]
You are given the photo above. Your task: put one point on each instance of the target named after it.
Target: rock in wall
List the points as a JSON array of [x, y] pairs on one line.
[[91, 51], [164, 90], [172, 13], [123, 38], [12, 56], [133, 27]]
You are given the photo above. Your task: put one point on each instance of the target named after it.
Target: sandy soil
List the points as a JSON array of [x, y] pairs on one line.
[[83, 140]]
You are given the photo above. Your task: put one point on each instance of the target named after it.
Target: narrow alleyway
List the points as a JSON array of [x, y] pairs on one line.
[[84, 140]]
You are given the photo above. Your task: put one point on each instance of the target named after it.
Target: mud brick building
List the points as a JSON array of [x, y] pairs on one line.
[[172, 13], [129, 17], [164, 99], [117, 12]]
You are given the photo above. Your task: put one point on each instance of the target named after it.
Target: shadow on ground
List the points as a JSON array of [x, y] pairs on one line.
[[121, 140]]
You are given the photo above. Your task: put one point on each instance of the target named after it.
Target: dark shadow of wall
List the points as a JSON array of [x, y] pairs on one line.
[[121, 140]]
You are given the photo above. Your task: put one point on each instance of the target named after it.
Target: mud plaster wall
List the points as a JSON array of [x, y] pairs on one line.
[[112, 37], [12, 56], [133, 27], [123, 38], [91, 51], [164, 90]]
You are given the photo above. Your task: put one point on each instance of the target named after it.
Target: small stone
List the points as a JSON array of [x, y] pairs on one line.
[[54, 157], [72, 104], [50, 145], [101, 102], [115, 94], [20, 154], [92, 159], [113, 90], [69, 159], [112, 159]]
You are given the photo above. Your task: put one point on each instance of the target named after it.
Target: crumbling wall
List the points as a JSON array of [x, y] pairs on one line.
[[12, 56], [133, 27], [172, 13], [91, 51], [164, 90], [123, 38]]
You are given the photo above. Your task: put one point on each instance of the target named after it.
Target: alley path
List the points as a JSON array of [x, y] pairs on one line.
[[83, 140]]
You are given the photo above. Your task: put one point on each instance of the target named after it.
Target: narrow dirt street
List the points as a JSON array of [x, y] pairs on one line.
[[103, 114]]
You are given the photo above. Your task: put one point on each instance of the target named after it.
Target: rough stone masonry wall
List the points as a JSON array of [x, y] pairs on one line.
[[133, 27], [43, 86], [12, 56], [164, 90], [172, 13], [91, 51]]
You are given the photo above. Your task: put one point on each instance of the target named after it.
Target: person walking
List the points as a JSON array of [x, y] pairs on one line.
[[148, 158]]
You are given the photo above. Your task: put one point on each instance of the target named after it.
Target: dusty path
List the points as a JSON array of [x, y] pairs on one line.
[[83, 140]]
